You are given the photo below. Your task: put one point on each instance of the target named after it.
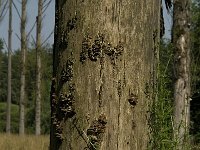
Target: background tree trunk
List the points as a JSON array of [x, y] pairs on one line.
[[23, 58], [104, 53], [181, 24], [0, 7], [8, 113], [38, 70]]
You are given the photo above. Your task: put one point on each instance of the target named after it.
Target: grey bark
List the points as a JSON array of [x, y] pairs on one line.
[[8, 109], [103, 62], [23, 62], [181, 42], [38, 70], [0, 7]]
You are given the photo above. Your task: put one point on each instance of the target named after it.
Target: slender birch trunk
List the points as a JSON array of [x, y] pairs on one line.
[[8, 109], [38, 70], [23, 71]]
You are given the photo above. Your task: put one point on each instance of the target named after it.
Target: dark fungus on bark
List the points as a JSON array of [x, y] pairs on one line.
[[54, 118], [155, 34], [65, 109], [119, 88], [64, 40], [155, 43], [147, 90], [66, 102], [67, 72], [63, 103], [53, 93], [133, 100], [100, 95], [67, 105], [86, 43], [96, 131], [96, 48], [59, 129], [71, 24], [133, 125]]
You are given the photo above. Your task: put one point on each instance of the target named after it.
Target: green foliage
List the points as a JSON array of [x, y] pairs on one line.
[[30, 120], [16, 77], [161, 117], [1, 45], [161, 111], [195, 42], [3, 76], [195, 71], [46, 58], [14, 117]]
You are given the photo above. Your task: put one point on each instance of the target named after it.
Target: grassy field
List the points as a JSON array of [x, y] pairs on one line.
[[26, 142]]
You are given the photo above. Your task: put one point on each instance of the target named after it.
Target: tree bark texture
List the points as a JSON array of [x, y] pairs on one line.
[[38, 70], [181, 24], [23, 61], [8, 109], [103, 63]]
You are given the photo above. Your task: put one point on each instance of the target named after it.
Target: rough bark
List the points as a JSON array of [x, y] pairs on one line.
[[103, 63], [8, 109], [181, 24], [38, 70], [23, 61]]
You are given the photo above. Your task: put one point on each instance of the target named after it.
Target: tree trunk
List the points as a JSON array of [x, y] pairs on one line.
[[38, 70], [8, 109], [0, 7], [103, 62], [23, 61], [182, 72]]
